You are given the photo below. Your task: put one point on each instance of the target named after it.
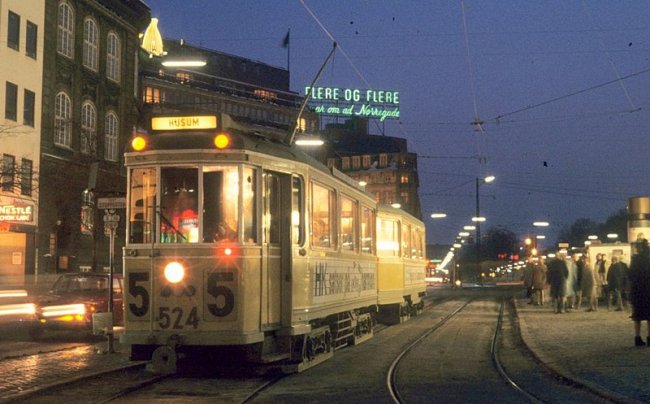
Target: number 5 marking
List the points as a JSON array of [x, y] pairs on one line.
[[216, 291], [136, 290]]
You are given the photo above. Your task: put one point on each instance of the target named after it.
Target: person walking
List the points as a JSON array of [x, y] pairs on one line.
[[600, 269], [589, 284], [579, 263], [640, 289], [557, 276], [528, 280], [539, 282], [615, 283]]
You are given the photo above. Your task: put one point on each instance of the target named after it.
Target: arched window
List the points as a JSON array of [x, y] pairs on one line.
[[113, 59], [111, 130], [88, 128], [91, 44], [65, 30], [62, 120]]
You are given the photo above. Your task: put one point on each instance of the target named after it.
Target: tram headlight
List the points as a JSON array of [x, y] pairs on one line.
[[174, 272], [138, 143], [221, 141]]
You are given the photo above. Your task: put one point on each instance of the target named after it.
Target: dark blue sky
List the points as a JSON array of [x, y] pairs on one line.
[[562, 142]]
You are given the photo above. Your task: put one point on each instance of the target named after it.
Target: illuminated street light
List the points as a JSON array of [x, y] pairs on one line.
[[612, 236], [478, 219], [541, 224], [469, 227], [438, 215], [396, 205], [464, 234], [540, 237], [592, 237], [457, 245]]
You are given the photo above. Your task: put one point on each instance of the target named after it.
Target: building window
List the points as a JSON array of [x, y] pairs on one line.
[[404, 178], [405, 197], [331, 163], [88, 128], [87, 217], [113, 59], [152, 95], [356, 162], [301, 125], [8, 172], [13, 31], [91, 44], [62, 120], [383, 160], [110, 137], [11, 101], [31, 39], [183, 77], [366, 161], [65, 30], [29, 102], [345, 163], [26, 169]]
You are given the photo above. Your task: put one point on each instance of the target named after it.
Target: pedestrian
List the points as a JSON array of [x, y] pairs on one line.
[[557, 276], [615, 283], [578, 262], [571, 282], [640, 289], [599, 267], [528, 280], [539, 282], [589, 284]]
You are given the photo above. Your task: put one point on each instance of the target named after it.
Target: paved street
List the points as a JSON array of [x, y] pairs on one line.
[[594, 348]]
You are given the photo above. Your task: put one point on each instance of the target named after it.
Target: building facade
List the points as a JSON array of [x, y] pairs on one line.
[[252, 92], [382, 163], [21, 73], [89, 97]]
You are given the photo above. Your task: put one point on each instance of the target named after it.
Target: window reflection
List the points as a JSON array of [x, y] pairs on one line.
[[220, 203], [179, 210]]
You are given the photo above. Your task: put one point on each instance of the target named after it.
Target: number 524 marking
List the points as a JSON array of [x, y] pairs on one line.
[[175, 318]]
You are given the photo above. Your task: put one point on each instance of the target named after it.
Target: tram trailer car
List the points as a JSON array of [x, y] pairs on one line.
[[400, 252], [241, 248]]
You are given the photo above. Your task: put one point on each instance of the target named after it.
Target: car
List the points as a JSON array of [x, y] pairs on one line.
[[75, 297], [17, 312]]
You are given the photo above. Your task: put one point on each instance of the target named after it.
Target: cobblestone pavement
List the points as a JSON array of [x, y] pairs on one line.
[[594, 348], [20, 375]]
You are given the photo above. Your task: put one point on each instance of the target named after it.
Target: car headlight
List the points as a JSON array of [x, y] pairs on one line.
[[174, 272]]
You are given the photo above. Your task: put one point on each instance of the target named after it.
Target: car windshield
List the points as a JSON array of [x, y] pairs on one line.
[[70, 284]]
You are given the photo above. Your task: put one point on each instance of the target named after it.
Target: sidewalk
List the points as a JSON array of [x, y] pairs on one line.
[[38, 370], [594, 348]]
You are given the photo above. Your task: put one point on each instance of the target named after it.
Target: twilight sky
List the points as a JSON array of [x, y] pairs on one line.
[[562, 88]]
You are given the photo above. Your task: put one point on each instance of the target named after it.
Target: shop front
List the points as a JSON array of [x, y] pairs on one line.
[[17, 240]]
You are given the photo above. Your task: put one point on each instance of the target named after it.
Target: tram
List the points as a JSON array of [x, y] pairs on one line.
[[243, 248]]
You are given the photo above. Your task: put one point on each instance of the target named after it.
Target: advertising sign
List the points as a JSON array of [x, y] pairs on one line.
[[351, 102]]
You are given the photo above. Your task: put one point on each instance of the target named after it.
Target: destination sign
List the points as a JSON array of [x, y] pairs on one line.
[[349, 102], [183, 122]]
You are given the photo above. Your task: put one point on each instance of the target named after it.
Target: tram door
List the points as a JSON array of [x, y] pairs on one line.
[[276, 245]]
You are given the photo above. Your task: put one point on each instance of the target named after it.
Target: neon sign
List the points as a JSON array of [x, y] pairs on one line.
[[373, 104], [13, 213]]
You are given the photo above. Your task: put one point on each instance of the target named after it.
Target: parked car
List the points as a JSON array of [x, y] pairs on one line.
[[17, 312], [75, 297]]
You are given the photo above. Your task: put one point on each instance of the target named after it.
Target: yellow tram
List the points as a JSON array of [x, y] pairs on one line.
[[242, 248]]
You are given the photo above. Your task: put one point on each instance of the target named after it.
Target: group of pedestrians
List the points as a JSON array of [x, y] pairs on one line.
[[573, 281]]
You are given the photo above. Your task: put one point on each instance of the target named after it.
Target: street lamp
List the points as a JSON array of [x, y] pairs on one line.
[[478, 219]]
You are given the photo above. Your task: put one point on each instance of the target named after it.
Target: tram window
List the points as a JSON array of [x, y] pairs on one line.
[[367, 220], [321, 229], [406, 240], [142, 205], [297, 211], [387, 241], [249, 208], [272, 200], [220, 203], [348, 224], [179, 210]]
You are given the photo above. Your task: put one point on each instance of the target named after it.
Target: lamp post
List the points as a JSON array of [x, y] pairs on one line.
[[478, 219]]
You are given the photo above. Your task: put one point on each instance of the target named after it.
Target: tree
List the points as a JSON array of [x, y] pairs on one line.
[[577, 233], [615, 223], [499, 240]]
